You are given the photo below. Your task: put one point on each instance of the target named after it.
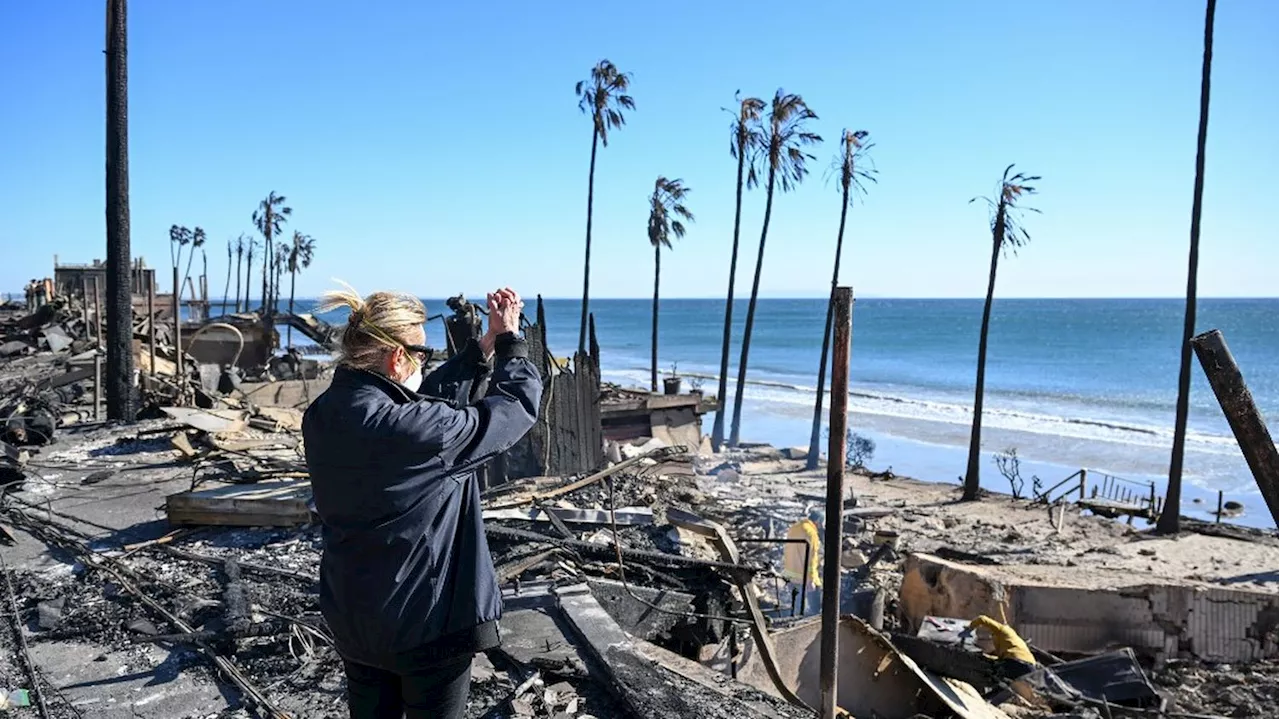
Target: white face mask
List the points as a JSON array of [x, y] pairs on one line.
[[414, 380]]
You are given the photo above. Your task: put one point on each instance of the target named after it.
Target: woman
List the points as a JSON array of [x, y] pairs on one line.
[[407, 584]]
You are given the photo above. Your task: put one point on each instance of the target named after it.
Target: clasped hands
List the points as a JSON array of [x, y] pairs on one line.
[[505, 307]]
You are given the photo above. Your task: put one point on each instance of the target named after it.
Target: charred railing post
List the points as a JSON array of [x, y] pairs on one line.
[[1241, 411], [84, 311], [837, 429], [97, 386], [151, 326], [177, 331], [97, 312]]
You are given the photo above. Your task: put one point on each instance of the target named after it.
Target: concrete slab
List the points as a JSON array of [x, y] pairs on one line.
[[140, 681], [1156, 618]]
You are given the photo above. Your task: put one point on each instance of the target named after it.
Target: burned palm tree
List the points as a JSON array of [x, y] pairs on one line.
[[854, 170], [226, 291], [603, 96], [270, 218], [239, 257], [249, 244], [786, 135], [277, 271], [120, 399], [1007, 235], [667, 215], [197, 239], [745, 142], [179, 237], [301, 252], [1169, 522]]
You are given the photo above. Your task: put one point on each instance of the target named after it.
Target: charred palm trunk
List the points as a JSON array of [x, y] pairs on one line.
[[266, 264], [293, 285], [248, 277], [1169, 516], [120, 404], [735, 431], [586, 262], [717, 430], [226, 290], [811, 462], [239, 256], [657, 273], [972, 475]]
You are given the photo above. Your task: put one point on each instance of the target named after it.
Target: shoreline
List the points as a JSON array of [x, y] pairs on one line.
[[903, 447]]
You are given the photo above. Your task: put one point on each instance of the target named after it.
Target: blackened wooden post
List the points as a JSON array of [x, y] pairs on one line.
[[1219, 513], [177, 314], [97, 386], [84, 311], [837, 430], [1242, 413], [151, 325], [97, 311]]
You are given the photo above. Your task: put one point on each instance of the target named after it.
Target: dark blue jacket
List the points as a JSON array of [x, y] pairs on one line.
[[406, 578]]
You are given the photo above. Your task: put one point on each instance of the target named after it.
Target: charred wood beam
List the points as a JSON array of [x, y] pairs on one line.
[[234, 604], [591, 548], [1242, 413], [262, 629], [658, 453], [218, 562]]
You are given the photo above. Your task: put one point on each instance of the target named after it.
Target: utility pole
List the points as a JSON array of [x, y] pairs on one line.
[[120, 395], [842, 301]]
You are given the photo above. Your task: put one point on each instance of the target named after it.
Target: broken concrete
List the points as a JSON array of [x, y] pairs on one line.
[[1157, 619]]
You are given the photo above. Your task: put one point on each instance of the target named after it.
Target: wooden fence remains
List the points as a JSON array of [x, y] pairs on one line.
[[567, 438]]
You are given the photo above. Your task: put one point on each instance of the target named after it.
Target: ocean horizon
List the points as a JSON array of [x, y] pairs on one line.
[[1071, 383]]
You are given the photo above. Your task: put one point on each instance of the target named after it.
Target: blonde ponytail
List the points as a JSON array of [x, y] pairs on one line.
[[376, 325]]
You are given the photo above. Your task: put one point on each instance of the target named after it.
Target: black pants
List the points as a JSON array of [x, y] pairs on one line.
[[436, 693]]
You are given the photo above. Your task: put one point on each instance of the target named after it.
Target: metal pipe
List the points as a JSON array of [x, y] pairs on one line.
[[838, 428]]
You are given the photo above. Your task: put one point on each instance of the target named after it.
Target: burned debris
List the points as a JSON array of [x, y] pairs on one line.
[[170, 568]]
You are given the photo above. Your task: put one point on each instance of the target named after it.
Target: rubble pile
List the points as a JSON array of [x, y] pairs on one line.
[[182, 552]]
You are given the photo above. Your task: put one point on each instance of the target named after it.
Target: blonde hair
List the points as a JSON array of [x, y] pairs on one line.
[[378, 323]]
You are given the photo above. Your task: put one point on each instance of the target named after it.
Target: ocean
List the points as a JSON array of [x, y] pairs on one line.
[[1070, 384]]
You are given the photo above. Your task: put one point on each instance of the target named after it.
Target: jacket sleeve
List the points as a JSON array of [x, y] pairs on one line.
[[454, 379], [470, 435]]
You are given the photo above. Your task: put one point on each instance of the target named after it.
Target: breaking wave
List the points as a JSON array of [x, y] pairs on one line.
[[795, 399]]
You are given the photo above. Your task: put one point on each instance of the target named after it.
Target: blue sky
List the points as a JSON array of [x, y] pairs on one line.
[[438, 148]]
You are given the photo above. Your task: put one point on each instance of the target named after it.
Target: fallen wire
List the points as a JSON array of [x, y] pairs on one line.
[[622, 576], [51, 533], [24, 653]]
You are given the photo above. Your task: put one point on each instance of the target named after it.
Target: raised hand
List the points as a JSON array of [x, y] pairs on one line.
[[504, 311]]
